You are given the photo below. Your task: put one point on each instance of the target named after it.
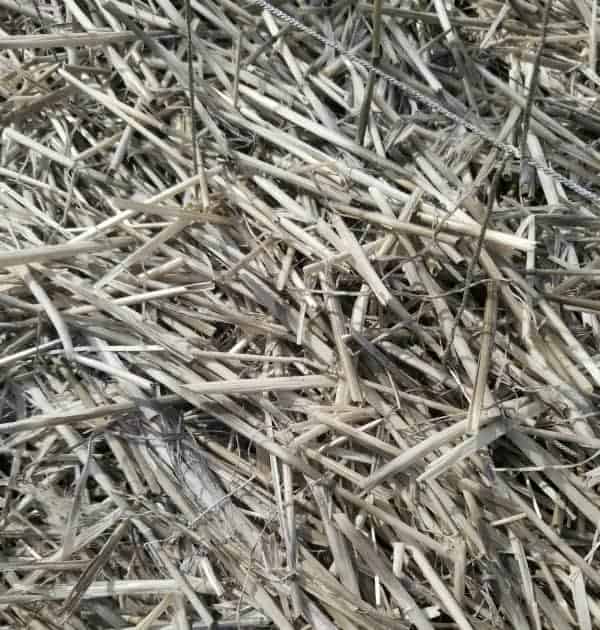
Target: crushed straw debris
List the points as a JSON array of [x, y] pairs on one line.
[[299, 315]]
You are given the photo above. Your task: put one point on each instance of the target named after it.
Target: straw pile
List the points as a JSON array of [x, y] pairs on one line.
[[296, 335]]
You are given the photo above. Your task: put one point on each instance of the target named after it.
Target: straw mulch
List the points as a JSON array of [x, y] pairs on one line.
[[295, 335]]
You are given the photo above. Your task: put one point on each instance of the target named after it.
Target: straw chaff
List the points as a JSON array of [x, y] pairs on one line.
[[299, 314]]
